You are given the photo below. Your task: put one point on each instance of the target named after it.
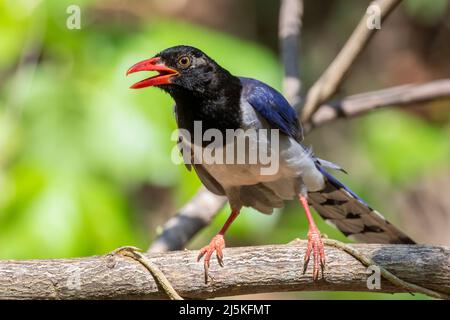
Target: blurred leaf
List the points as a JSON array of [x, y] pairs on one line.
[[426, 11], [403, 146]]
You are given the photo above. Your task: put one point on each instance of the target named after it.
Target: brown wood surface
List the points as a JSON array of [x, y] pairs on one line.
[[247, 270]]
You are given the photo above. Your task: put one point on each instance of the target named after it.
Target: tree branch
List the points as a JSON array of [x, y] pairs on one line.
[[290, 22], [330, 80], [365, 102], [273, 269], [192, 217]]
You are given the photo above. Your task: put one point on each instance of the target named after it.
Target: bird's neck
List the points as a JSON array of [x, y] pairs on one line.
[[217, 107]]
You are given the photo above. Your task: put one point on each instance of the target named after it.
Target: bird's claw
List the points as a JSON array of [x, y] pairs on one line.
[[315, 245], [217, 244]]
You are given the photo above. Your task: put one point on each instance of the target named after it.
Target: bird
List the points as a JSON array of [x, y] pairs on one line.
[[206, 93]]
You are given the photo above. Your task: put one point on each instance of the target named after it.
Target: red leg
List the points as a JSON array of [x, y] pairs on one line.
[[217, 244], [315, 243]]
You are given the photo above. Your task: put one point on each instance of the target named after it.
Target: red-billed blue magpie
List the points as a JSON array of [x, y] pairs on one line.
[[204, 91]]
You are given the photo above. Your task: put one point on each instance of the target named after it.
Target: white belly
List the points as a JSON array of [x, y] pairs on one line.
[[259, 182], [287, 161]]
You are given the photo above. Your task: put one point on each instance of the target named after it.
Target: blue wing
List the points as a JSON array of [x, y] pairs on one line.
[[272, 106]]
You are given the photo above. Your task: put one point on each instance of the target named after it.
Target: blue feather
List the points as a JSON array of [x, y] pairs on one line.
[[339, 184], [272, 106]]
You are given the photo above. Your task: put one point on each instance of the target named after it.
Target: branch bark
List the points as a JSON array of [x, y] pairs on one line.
[[365, 102], [247, 270], [333, 76]]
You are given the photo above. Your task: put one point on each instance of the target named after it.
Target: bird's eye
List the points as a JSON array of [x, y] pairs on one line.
[[184, 62]]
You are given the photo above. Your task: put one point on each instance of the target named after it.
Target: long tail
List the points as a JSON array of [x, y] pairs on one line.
[[342, 208]]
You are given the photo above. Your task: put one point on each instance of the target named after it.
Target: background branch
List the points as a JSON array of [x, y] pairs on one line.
[[333, 76], [290, 22], [364, 102], [191, 218], [273, 269]]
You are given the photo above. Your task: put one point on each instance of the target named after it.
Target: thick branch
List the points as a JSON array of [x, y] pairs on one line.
[[247, 270], [330, 80], [362, 103]]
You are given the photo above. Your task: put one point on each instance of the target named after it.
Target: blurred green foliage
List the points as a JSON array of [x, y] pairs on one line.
[[426, 11], [75, 142], [80, 141]]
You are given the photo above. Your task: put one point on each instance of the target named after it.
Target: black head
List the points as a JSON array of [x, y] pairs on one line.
[[183, 70], [203, 90]]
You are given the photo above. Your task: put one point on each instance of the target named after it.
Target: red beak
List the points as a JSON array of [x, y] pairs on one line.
[[153, 64]]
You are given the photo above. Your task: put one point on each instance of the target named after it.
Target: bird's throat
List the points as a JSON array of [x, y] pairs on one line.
[[215, 110]]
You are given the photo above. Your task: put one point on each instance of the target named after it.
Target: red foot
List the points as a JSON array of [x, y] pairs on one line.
[[315, 244], [217, 244]]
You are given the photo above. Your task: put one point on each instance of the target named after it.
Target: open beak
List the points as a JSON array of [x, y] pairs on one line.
[[153, 64]]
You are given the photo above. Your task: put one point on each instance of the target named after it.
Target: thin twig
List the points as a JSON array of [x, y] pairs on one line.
[[290, 22], [365, 102], [331, 79], [157, 274]]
